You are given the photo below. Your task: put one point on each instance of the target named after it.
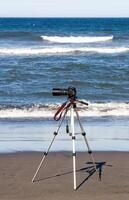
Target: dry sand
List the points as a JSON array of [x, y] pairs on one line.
[[55, 179]]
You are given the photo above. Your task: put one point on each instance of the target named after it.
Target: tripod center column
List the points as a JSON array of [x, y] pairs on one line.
[[73, 142]]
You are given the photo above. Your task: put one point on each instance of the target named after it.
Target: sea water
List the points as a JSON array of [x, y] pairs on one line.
[[38, 54]]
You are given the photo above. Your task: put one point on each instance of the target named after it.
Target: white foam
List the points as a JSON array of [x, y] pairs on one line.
[[62, 50], [26, 113], [77, 39], [93, 110], [107, 109]]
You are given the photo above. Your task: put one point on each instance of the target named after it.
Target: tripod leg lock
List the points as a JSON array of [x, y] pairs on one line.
[[84, 134], [74, 154], [45, 153], [73, 137], [90, 152], [55, 133]]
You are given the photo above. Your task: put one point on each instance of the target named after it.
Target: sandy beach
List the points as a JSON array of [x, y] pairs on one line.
[[55, 179]]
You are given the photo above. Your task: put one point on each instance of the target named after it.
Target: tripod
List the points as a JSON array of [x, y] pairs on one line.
[[61, 114]]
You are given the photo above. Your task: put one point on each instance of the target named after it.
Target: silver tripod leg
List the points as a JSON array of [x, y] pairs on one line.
[[86, 141], [46, 153]]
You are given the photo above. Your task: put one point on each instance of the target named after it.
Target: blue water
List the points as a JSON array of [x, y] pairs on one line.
[[39, 54]]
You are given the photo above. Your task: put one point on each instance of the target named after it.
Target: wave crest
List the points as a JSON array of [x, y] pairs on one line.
[[48, 110], [77, 39], [62, 50]]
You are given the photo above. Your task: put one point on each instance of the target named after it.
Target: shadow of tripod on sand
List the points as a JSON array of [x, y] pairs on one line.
[[90, 170]]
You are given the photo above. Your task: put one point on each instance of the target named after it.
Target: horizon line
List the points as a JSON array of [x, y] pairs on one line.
[[62, 17]]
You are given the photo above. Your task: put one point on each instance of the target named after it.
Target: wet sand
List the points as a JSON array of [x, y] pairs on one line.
[[55, 179]]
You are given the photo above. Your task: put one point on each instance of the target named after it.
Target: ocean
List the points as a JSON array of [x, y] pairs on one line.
[[39, 54]]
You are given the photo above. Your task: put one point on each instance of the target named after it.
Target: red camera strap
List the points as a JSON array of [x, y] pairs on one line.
[[60, 111]]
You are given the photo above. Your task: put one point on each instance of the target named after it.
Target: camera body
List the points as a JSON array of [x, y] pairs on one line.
[[70, 92]]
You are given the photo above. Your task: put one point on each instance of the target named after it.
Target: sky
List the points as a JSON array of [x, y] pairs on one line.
[[64, 8]]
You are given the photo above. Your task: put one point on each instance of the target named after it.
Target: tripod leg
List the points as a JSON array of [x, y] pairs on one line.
[[74, 153], [46, 153], [86, 141], [43, 158]]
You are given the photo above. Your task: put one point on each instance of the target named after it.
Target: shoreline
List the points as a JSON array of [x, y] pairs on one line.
[[55, 178], [62, 152], [29, 137]]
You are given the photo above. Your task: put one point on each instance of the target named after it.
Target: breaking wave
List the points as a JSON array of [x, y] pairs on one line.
[[62, 50], [77, 39], [48, 110]]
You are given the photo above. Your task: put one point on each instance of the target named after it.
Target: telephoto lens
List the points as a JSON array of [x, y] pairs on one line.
[[70, 92], [59, 92]]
